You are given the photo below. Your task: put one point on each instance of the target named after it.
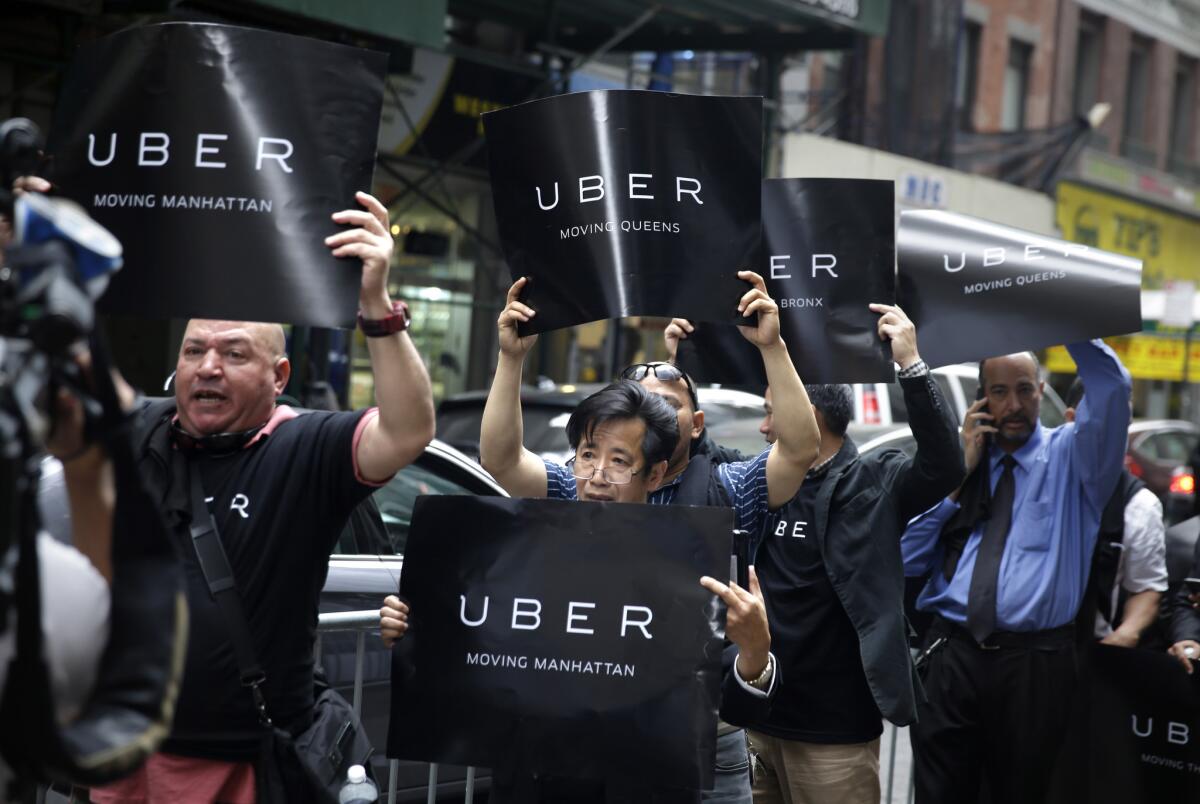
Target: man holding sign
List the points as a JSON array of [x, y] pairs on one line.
[[751, 488], [623, 436], [280, 487], [1009, 553]]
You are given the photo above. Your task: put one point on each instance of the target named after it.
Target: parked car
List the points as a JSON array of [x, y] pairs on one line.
[[1158, 454]]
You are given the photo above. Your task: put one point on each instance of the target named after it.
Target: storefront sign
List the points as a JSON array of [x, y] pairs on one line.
[[1146, 356], [562, 638], [620, 202], [1166, 242], [186, 142], [977, 289], [829, 253]]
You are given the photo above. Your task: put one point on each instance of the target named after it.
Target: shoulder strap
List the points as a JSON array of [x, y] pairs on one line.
[[221, 583], [1132, 485], [693, 484]]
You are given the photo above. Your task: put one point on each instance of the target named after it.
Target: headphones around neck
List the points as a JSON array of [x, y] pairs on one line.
[[214, 444]]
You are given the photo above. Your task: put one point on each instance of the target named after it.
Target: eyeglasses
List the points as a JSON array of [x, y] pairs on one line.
[[667, 372], [616, 475]]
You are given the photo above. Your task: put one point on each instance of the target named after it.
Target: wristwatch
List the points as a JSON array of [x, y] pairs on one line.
[[398, 321], [764, 678]]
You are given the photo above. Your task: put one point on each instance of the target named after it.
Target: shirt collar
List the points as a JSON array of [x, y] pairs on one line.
[[1023, 456]]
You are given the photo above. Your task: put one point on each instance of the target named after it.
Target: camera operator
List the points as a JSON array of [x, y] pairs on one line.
[[76, 617], [75, 578]]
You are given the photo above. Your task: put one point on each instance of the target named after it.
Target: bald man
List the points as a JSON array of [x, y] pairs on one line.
[[280, 486], [1008, 555]]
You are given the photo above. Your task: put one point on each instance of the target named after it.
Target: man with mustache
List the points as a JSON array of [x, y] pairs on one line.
[[1009, 554], [280, 486]]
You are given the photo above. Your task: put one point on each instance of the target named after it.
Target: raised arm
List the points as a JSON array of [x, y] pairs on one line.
[[405, 424], [501, 438], [1102, 421], [797, 438], [937, 468]]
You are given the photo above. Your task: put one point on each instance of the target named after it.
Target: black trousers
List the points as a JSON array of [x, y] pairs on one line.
[[995, 719]]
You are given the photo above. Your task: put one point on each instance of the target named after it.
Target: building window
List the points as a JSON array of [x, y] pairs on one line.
[[1087, 63], [1137, 88], [1182, 158], [1016, 85], [968, 74]]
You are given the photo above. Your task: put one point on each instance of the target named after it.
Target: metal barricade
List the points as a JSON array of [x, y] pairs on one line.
[[895, 777], [897, 780], [365, 624]]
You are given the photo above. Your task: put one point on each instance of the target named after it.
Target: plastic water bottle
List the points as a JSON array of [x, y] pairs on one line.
[[358, 789]]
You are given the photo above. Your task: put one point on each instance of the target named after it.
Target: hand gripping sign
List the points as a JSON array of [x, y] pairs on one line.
[[624, 202], [977, 289], [562, 638], [187, 142], [828, 252]]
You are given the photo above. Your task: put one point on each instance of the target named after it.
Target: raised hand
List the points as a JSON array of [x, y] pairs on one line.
[[676, 331], [895, 326], [513, 313], [756, 300]]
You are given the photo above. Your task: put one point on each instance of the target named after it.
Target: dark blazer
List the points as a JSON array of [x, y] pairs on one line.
[[861, 510], [1185, 620]]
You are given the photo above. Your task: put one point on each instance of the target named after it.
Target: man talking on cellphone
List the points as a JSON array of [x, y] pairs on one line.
[[1009, 554]]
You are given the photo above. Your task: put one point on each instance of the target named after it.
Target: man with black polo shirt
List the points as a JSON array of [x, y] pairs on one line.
[[280, 486], [833, 579]]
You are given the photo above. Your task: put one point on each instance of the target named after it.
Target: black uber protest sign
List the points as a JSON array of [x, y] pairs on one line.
[[627, 202], [828, 253], [562, 638], [216, 155], [1139, 730], [977, 289]]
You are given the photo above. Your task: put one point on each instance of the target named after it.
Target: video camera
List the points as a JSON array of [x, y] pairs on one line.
[[56, 265], [53, 268]]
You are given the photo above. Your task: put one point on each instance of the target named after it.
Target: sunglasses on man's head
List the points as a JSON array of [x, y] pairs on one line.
[[667, 372]]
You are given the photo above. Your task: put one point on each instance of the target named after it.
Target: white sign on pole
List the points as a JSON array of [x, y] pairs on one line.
[[1178, 304]]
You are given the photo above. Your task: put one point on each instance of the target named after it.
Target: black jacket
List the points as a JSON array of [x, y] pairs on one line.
[[1185, 620], [861, 510]]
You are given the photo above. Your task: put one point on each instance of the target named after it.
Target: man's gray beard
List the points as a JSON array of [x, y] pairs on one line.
[[1016, 442]]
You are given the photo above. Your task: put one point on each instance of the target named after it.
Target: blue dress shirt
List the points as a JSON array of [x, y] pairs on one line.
[[1064, 477]]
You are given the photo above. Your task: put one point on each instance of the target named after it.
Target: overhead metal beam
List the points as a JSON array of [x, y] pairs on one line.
[[467, 151]]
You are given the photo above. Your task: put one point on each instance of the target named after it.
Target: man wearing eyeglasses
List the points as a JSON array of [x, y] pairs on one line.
[[751, 488], [623, 436]]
